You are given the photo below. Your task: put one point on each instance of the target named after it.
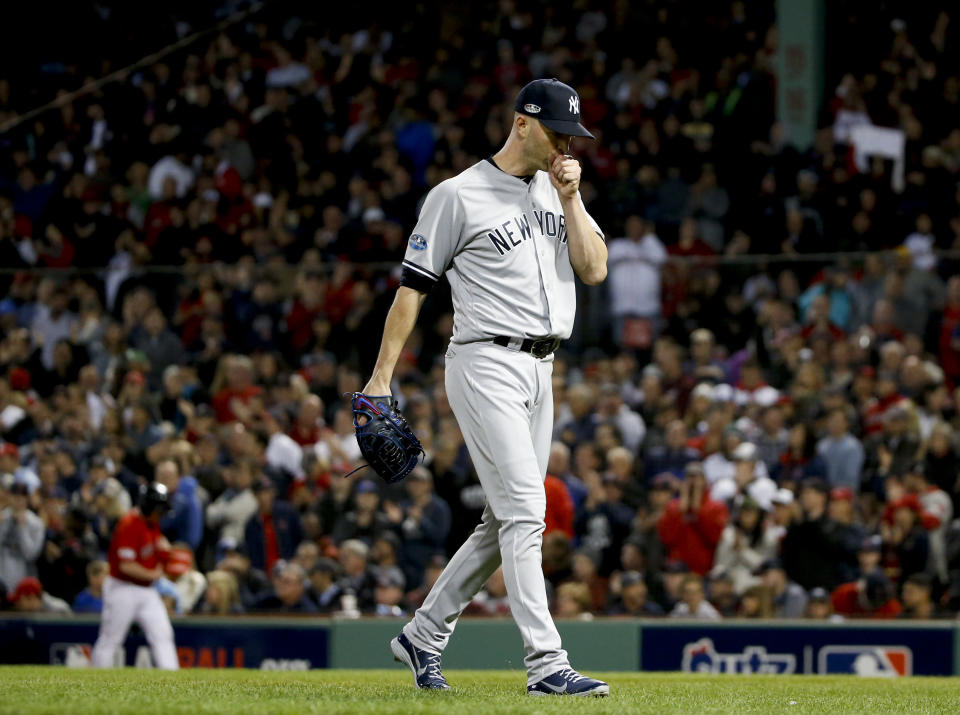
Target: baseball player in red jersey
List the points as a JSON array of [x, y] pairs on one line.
[[137, 553]]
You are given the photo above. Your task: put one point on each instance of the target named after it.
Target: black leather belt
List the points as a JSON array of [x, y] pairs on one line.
[[539, 348]]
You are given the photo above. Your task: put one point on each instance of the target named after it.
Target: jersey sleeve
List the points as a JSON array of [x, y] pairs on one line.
[[127, 541], [435, 238], [596, 226]]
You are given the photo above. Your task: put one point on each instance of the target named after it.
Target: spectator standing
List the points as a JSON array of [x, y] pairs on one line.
[[229, 513], [810, 547], [21, 539], [274, 531], [184, 521], [424, 524], [744, 545], [634, 284], [842, 453], [692, 524]]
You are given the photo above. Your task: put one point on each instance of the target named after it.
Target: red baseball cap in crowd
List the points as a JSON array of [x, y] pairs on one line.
[[179, 562], [19, 379], [27, 587], [841, 494], [8, 449]]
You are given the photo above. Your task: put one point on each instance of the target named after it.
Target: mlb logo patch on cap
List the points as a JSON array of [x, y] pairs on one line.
[[555, 105]]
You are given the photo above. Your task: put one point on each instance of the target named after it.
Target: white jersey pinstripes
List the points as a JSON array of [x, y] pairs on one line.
[[502, 241]]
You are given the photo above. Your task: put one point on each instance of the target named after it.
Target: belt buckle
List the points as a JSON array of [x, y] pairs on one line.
[[543, 347]]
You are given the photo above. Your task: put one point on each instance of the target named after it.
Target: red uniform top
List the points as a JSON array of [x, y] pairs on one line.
[[135, 540], [559, 515], [846, 601]]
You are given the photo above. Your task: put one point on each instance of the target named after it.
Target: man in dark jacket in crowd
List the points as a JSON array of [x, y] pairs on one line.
[[810, 547], [289, 594], [274, 531], [424, 522]]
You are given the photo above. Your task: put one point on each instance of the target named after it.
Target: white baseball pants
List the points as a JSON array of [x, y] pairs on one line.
[[124, 603], [503, 401]]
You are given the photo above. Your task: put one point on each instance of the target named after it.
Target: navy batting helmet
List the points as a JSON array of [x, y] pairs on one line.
[[154, 497]]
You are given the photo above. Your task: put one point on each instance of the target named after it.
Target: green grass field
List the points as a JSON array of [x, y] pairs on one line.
[[59, 690]]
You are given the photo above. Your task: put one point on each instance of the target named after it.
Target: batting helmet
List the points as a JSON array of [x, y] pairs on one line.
[[154, 497]]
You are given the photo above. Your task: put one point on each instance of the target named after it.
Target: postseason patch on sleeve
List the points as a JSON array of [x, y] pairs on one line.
[[418, 242]]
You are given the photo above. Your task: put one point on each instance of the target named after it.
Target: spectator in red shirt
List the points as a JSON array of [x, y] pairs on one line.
[[239, 390], [691, 525], [868, 597], [138, 551], [559, 516], [306, 431]]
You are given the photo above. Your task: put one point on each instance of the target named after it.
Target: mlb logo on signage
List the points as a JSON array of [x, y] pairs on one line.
[[870, 661]]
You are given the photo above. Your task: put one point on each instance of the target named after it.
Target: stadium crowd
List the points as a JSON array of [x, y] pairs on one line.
[[735, 436]]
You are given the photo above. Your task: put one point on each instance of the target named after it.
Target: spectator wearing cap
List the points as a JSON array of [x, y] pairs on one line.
[[10, 464], [917, 601], [229, 513], [810, 547], [324, 590], [721, 594], [720, 465], [842, 453], [819, 606], [891, 451], [906, 546], [388, 593], [692, 523], [749, 480], [289, 593], [693, 602], [21, 539], [180, 569], [424, 522], [29, 597], [90, 599], [365, 521], [274, 530], [184, 521], [870, 596], [633, 600], [788, 599], [746, 543], [850, 530], [936, 513], [782, 512], [605, 521]]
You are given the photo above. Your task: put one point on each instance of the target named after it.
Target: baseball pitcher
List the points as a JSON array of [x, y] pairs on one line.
[[510, 232]]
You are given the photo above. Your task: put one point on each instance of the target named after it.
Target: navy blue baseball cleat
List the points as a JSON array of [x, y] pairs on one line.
[[569, 682], [425, 666]]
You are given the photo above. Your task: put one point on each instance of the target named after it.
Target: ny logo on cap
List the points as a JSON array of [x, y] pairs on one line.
[[574, 104]]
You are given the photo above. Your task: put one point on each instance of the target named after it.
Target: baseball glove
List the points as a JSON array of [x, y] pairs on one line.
[[386, 440]]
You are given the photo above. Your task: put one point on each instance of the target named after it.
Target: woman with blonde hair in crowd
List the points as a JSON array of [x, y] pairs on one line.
[[222, 597]]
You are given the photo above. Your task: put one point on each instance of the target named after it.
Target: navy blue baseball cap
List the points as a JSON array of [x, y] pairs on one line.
[[553, 104]]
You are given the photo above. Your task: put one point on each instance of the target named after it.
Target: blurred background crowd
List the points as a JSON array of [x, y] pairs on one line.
[[196, 261]]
